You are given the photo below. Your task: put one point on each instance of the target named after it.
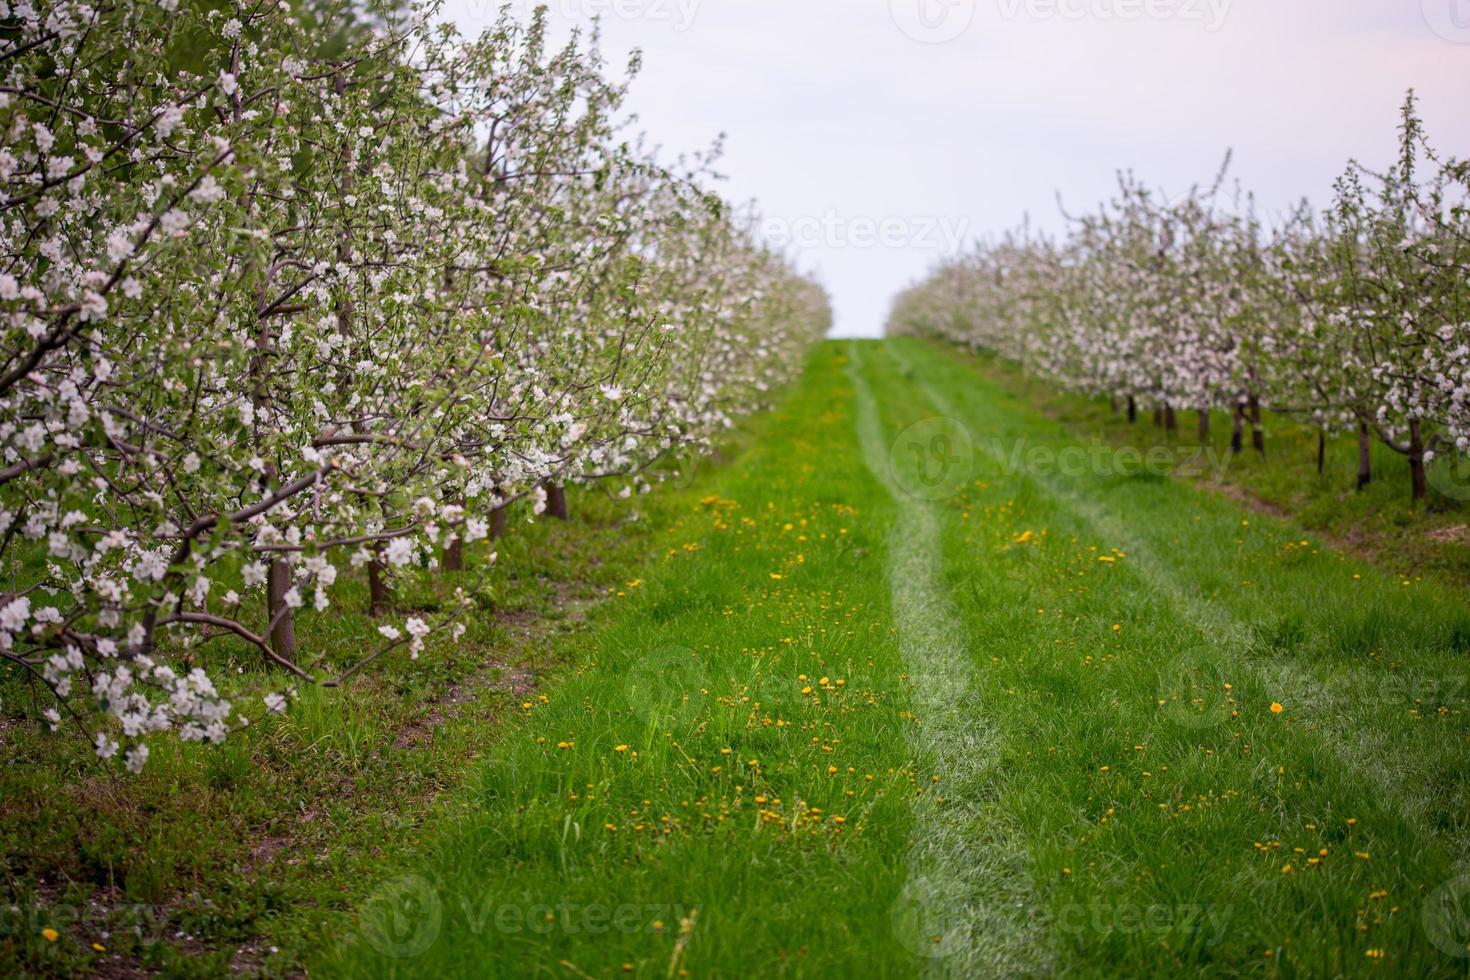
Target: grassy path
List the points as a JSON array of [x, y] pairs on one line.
[[924, 687], [962, 878]]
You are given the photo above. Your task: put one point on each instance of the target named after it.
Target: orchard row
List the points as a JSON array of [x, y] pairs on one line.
[[1356, 318], [291, 292]]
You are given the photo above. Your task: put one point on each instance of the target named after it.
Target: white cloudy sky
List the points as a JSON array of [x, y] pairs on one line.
[[877, 132]]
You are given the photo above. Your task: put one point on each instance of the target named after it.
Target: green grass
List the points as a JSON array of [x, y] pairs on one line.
[[237, 854], [722, 787], [1380, 523], [834, 720], [1143, 785]]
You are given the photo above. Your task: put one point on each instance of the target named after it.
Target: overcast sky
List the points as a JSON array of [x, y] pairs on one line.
[[877, 135]]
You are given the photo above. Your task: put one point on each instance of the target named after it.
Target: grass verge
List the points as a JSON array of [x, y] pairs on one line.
[[235, 858]]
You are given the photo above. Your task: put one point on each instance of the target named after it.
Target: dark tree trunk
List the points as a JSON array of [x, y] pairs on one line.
[[380, 597], [499, 522], [1258, 434], [1171, 423], [283, 632], [454, 551], [556, 501], [1321, 451], [1132, 409], [1159, 416], [454, 555], [1237, 430], [1417, 475], [1365, 456], [1113, 404], [1204, 427]]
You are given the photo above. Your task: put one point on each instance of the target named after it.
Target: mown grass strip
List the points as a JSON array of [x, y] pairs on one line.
[[965, 882], [1234, 751]]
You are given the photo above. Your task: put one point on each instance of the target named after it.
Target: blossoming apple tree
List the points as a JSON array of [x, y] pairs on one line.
[[279, 306]]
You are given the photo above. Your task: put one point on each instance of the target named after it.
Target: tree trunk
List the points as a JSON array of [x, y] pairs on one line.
[[1321, 451], [1113, 404], [283, 617], [1159, 416], [453, 558], [1132, 409], [499, 522], [1171, 423], [1417, 475], [1237, 429], [1365, 456], [380, 597], [556, 501], [454, 555], [1204, 427], [1258, 434]]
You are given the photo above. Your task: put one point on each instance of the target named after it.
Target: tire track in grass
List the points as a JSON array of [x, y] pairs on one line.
[[1210, 617], [1312, 926], [1228, 632], [966, 906]]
